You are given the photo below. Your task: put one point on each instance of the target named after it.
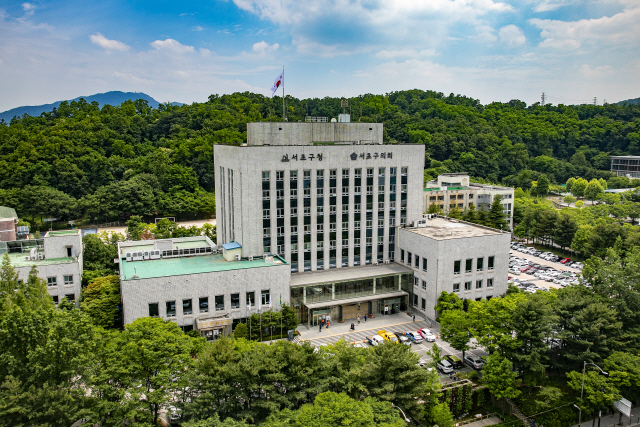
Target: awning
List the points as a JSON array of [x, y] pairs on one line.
[[356, 300]]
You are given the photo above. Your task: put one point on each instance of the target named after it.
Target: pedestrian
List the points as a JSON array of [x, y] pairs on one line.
[[414, 317], [358, 320], [365, 318], [328, 324], [353, 328], [320, 324]]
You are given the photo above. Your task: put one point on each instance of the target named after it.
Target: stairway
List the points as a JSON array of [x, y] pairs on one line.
[[518, 413]]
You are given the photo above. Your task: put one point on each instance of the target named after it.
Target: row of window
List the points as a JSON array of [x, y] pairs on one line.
[[424, 302], [468, 265], [293, 193], [203, 304], [357, 208], [69, 297], [333, 173], [53, 281], [452, 197], [413, 260], [468, 285]]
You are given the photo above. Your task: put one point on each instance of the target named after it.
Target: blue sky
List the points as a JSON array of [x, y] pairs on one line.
[[492, 50]]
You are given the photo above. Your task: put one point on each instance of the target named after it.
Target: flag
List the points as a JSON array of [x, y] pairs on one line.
[[249, 305], [277, 83], [280, 299]]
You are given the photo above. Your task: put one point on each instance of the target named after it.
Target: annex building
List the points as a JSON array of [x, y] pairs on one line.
[[628, 166], [452, 190], [58, 258]]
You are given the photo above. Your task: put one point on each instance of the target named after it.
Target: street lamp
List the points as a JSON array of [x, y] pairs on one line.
[[402, 412], [580, 416], [584, 367]]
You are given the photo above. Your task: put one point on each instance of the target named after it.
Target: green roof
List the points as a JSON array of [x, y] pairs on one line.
[[445, 189], [61, 233], [166, 267], [6, 212], [17, 260]]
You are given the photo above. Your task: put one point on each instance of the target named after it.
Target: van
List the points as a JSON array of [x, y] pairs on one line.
[[455, 361]]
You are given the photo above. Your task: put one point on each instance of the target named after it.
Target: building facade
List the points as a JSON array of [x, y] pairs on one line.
[[452, 190], [8, 224], [190, 281], [58, 259], [628, 166], [453, 256]]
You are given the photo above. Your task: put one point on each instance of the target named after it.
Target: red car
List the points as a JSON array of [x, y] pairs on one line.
[[566, 260], [525, 268]]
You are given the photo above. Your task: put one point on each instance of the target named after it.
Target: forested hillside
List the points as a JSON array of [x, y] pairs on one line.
[[108, 163]]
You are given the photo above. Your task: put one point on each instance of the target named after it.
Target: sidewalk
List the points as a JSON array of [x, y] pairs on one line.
[[612, 420], [378, 322]]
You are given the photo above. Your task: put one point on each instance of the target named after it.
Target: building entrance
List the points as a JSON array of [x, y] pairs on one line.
[[318, 315]]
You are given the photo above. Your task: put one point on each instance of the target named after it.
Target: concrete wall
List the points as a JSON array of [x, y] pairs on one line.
[[58, 271], [286, 133], [137, 294], [7, 229], [248, 163], [56, 246], [441, 255]]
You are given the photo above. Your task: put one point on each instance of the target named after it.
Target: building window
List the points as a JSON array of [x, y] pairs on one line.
[[293, 174], [356, 242], [478, 284], [369, 189], [416, 262], [402, 255], [279, 175], [345, 242], [265, 194], [265, 298], [280, 212], [187, 307], [432, 198], [52, 281], [307, 192], [479, 264], [251, 300], [380, 188], [294, 211], [489, 283], [319, 191], [467, 286], [235, 300], [356, 190], [456, 267], [319, 173], [307, 210], [381, 239], [404, 170], [294, 229], [55, 301], [266, 213], [294, 248], [409, 259], [320, 210], [358, 173], [356, 208], [416, 281], [415, 300], [345, 190], [320, 228], [424, 305], [171, 308], [219, 302], [153, 308], [467, 266], [490, 263], [456, 287], [345, 225], [293, 192], [68, 280], [369, 172], [345, 173], [266, 231], [369, 224], [424, 264], [380, 222], [424, 284], [265, 175], [70, 297], [203, 305], [332, 173]]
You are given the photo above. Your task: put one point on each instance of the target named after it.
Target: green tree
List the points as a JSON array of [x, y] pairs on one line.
[[454, 328], [569, 184], [578, 187], [135, 228], [569, 199], [448, 301], [593, 191], [8, 277], [499, 377], [542, 185], [435, 353], [496, 217], [532, 322], [599, 392], [241, 331], [564, 230], [102, 302]]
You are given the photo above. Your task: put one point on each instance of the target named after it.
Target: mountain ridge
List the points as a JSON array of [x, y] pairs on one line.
[[114, 97]]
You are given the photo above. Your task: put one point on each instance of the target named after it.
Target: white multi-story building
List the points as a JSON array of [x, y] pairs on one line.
[[57, 257], [452, 190], [453, 256]]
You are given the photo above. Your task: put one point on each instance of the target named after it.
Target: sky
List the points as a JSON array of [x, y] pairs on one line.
[[184, 51]]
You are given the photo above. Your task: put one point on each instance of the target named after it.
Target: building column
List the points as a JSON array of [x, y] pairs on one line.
[[374, 285], [304, 295], [333, 291], [399, 282]]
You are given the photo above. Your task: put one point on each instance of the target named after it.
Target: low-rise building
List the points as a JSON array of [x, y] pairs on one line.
[[452, 190], [58, 258], [628, 166], [190, 281], [8, 224], [453, 256]]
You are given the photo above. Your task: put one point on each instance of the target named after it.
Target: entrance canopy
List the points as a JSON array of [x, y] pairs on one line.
[[355, 300], [346, 274]]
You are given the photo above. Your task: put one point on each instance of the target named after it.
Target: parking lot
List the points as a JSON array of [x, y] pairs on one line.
[[394, 323], [537, 282]]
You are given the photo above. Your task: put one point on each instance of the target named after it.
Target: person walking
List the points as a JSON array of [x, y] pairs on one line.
[[365, 318], [320, 324], [358, 320], [353, 328], [414, 317]]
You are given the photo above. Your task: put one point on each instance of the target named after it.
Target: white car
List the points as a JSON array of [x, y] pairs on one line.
[[375, 340], [414, 337], [427, 335]]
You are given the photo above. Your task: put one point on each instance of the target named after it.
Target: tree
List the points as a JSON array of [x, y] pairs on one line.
[[435, 354], [241, 331], [578, 187], [454, 328], [593, 190], [135, 228], [8, 277], [599, 392], [542, 186], [569, 184], [102, 301], [564, 230], [448, 301], [532, 325], [97, 258], [215, 422], [496, 215], [569, 199], [579, 204], [499, 377]]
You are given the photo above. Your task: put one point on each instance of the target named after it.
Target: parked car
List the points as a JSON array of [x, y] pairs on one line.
[[387, 336], [566, 260], [402, 338], [414, 337], [444, 366], [375, 340], [475, 363], [427, 335], [454, 360]]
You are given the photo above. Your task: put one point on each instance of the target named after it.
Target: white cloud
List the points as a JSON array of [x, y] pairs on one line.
[[512, 35], [484, 34], [548, 5], [131, 78], [172, 46], [601, 71], [28, 8], [105, 43], [263, 47], [622, 29], [405, 53], [198, 28]]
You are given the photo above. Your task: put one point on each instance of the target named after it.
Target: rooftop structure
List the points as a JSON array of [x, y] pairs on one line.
[[310, 133], [439, 228]]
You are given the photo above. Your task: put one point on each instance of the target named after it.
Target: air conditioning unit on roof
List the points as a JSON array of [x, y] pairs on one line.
[[237, 257], [250, 258], [40, 256]]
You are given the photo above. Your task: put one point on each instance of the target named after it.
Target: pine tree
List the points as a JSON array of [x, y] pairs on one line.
[[496, 217]]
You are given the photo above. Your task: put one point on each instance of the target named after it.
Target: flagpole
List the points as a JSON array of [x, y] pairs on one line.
[[283, 109]]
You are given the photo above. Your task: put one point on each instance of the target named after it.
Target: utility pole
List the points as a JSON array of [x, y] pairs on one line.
[[542, 98]]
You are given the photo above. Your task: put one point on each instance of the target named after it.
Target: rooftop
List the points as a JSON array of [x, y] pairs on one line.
[[6, 212], [446, 229], [177, 243], [17, 260], [61, 233], [166, 267], [445, 188], [345, 274]]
